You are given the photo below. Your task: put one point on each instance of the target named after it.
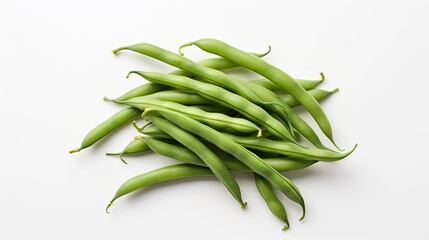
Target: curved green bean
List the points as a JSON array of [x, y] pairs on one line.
[[306, 84], [270, 72], [142, 90], [287, 114], [137, 145], [159, 175], [217, 94], [217, 64], [318, 94], [110, 124], [215, 120], [187, 156], [209, 158], [179, 96], [211, 75], [289, 149], [239, 152], [267, 192]]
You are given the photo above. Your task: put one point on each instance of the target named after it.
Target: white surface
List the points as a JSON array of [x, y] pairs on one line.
[[56, 66]]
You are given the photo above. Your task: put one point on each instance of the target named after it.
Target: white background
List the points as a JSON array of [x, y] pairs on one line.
[[56, 65]]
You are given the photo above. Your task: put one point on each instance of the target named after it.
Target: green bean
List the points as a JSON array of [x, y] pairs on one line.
[[153, 131], [318, 94], [108, 126], [159, 175], [209, 158], [137, 145], [217, 94], [267, 192], [216, 120], [216, 63], [306, 84], [288, 149], [148, 88], [287, 114], [215, 108], [187, 156], [281, 109], [142, 90], [179, 96], [270, 72], [211, 75], [239, 152]]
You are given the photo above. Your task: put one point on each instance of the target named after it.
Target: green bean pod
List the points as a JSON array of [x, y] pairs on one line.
[[180, 96], [210, 75], [267, 192], [168, 173], [215, 108], [306, 84], [217, 94], [239, 152], [286, 113], [110, 124], [209, 158], [154, 132], [216, 63], [318, 94], [142, 90], [270, 72], [215, 120], [148, 88], [187, 156], [289, 149], [137, 145]]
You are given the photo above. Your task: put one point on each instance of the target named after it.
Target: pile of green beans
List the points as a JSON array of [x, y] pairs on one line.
[[213, 123]]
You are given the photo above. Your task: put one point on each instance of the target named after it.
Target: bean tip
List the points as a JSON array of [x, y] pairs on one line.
[[303, 213], [112, 154], [108, 206], [122, 158], [107, 99], [116, 50], [285, 227], [243, 205], [74, 150], [322, 76], [183, 46], [335, 90]]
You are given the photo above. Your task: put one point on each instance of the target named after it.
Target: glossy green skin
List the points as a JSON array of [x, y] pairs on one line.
[[148, 88], [154, 132], [286, 113], [110, 124], [270, 72], [215, 108], [137, 145], [306, 84], [318, 94], [267, 192], [208, 157], [289, 149], [210, 75], [215, 63], [187, 156], [168, 173], [250, 159], [217, 94], [215, 120], [142, 90], [180, 96]]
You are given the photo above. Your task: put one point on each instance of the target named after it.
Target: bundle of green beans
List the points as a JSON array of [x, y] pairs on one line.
[[214, 123]]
